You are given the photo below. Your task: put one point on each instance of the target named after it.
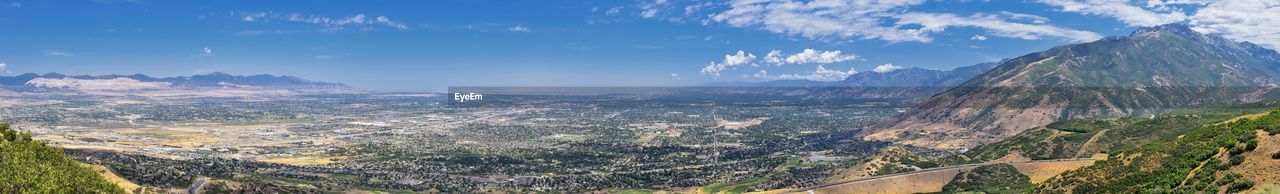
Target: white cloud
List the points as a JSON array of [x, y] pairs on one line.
[[328, 24], [777, 58], [821, 19], [820, 57], [887, 67], [3, 66], [206, 52], [518, 29], [995, 25], [1025, 17], [1256, 21], [883, 20], [649, 13], [1121, 10], [674, 75], [613, 11], [650, 8], [774, 57], [730, 61], [978, 37], [821, 74], [57, 53], [739, 59], [387, 21], [761, 74]]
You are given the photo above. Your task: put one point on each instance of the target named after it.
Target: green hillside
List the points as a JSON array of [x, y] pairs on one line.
[[30, 166], [1080, 138], [993, 178], [1195, 162]]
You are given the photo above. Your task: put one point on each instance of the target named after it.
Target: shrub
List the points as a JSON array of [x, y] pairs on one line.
[[1240, 186]]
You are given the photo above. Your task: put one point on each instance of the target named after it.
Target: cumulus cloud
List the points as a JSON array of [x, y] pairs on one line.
[[57, 53], [761, 74], [887, 67], [3, 67], [518, 28], [777, 58], [883, 20], [773, 57], [675, 76], [730, 61], [978, 37], [206, 52], [1256, 21], [1122, 10], [820, 57], [328, 24], [821, 74]]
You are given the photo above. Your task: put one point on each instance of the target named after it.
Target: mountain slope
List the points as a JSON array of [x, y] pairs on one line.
[[907, 77], [917, 77], [910, 84], [1206, 160], [31, 166], [1150, 71], [1082, 138]]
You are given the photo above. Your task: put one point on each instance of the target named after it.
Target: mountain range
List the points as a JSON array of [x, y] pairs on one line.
[[909, 84], [56, 81], [1154, 69]]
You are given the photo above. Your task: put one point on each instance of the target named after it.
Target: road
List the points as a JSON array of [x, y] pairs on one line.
[[199, 184], [821, 186]]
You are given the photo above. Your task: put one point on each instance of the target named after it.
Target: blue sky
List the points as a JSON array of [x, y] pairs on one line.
[[429, 45]]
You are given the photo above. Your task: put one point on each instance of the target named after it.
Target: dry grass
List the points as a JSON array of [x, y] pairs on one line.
[[1041, 171], [111, 176], [926, 182], [1258, 165], [1248, 116]]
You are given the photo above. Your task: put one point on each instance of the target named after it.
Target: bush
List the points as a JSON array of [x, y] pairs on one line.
[[1275, 156], [1237, 150], [1240, 186]]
